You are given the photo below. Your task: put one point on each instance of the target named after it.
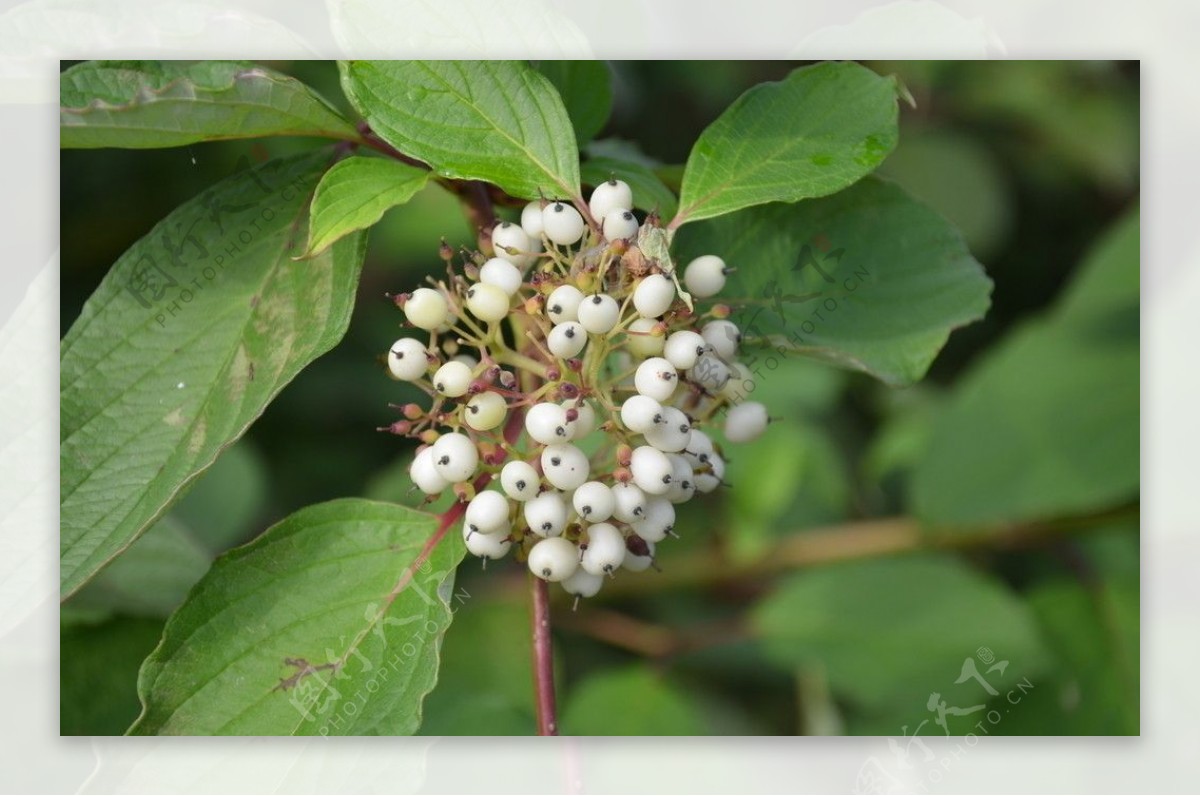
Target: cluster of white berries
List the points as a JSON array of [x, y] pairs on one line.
[[604, 364]]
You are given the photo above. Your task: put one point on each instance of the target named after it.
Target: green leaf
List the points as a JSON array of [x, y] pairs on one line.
[[145, 104], [649, 192], [98, 666], [1051, 412], [152, 577], [329, 623], [890, 632], [1046, 425], [820, 129], [355, 193], [192, 332], [1108, 284], [1094, 636], [631, 701], [498, 121], [867, 279], [586, 91]]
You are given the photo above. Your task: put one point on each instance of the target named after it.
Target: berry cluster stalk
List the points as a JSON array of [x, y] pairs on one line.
[[543, 658]]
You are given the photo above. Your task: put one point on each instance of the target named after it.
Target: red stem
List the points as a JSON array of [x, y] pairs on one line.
[[543, 659]]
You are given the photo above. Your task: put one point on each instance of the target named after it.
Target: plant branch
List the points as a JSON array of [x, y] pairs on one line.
[[543, 658], [854, 540]]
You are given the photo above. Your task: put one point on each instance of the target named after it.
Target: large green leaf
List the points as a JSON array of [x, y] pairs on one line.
[[586, 91], [355, 193], [649, 192], [820, 129], [631, 701], [499, 121], [144, 104], [329, 623], [192, 332], [1051, 413], [868, 279], [890, 632]]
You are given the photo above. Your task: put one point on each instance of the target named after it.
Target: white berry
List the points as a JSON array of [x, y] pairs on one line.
[[567, 339], [547, 423], [656, 378], [563, 303], [683, 480], [710, 474], [672, 434], [653, 296], [705, 276], [658, 521], [487, 513], [553, 559], [485, 411], [546, 514], [407, 360], [512, 244], [609, 196], [710, 373], [426, 308], [486, 545], [639, 413], [636, 563], [583, 583], [651, 470], [699, 447], [630, 502], [599, 313], [683, 348], [594, 501], [502, 274], [642, 341], [452, 379], [565, 466], [585, 418], [520, 480], [605, 549], [487, 302], [425, 475], [455, 457], [562, 223], [531, 220], [723, 336], [620, 225], [745, 422]]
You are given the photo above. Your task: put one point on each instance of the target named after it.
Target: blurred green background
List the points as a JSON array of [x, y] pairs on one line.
[[1016, 458]]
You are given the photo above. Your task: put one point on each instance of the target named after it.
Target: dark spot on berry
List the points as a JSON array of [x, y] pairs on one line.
[[612, 181], [521, 486], [560, 432], [639, 511], [440, 387], [587, 510], [627, 216], [556, 309], [547, 526], [558, 207], [556, 460], [596, 299], [444, 460], [546, 572], [473, 409], [684, 428], [570, 332], [666, 479]]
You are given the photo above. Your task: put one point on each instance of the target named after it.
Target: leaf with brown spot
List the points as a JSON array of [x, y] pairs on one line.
[[144, 350]]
